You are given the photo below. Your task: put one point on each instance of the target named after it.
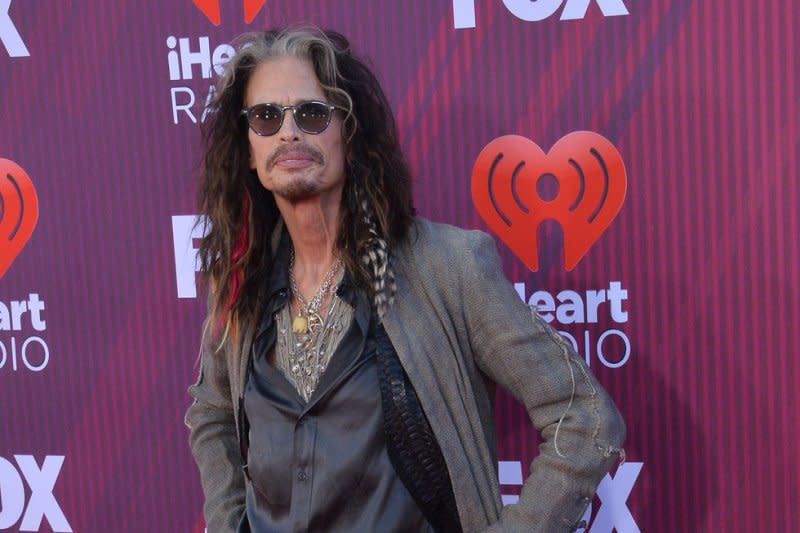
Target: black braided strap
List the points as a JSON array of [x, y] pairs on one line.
[[410, 443]]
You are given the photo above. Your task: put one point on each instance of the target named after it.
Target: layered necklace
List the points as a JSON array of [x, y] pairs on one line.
[[309, 320], [305, 348]]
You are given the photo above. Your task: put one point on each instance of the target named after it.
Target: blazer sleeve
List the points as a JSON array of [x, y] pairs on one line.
[[214, 444], [581, 428]]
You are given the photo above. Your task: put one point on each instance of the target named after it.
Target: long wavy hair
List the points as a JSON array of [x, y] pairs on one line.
[[240, 214]]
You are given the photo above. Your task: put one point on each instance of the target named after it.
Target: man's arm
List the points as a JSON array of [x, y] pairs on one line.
[[215, 445], [581, 427]]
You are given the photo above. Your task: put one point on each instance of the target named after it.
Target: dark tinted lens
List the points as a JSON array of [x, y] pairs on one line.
[[265, 119], [312, 117]]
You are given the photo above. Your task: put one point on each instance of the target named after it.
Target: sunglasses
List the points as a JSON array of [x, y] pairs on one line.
[[310, 116]]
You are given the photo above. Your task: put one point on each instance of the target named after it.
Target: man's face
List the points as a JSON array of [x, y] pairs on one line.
[[294, 165]]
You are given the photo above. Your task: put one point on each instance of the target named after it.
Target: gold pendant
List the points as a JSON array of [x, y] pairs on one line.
[[300, 325]]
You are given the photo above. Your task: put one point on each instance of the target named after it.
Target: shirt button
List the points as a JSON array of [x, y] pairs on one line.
[[302, 476]]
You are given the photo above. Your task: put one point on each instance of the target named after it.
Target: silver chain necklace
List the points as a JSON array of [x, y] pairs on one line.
[[303, 363], [304, 352], [309, 319]]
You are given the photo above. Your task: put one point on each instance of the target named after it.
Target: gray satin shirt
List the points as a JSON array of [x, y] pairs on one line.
[[322, 465]]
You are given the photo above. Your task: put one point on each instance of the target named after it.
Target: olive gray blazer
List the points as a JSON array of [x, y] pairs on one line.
[[458, 327]]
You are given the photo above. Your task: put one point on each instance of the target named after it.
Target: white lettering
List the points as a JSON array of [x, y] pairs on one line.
[[576, 9], [222, 54], [36, 306], [11, 315], [189, 58], [544, 304], [45, 351], [463, 14], [537, 10], [614, 514], [42, 503], [185, 228], [9, 35], [17, 310], [12, 495], [613, 492], [574, 308], [25, 353], [532, 11], [172, 59], [509, 473], [571, 309], [599, 352], [520, 288], [620, 361], [593, 300], [186, 108], [181, 58], [616, 294]]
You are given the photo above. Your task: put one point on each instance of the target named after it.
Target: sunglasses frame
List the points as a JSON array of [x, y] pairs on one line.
[[331, 108]]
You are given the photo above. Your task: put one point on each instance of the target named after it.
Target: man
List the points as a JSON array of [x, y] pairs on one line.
[[350, 351]]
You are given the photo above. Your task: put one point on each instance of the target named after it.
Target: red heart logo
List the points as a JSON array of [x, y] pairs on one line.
[[19, 211], [211, 10], [512, 174]]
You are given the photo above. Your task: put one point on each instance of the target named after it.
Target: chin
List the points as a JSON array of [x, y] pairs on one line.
[[297, 191]]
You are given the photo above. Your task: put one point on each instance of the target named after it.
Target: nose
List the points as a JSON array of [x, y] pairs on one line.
[[289, 131]]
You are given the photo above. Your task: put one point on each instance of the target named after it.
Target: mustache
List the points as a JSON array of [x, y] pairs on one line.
[[312, 152]]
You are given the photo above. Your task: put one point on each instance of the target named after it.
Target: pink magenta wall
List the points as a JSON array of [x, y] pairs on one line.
[[699, 98]]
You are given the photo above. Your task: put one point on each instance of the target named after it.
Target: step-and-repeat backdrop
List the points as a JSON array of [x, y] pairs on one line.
[[647, 203]]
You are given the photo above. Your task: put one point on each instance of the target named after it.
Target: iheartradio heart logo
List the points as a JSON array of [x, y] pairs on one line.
[[211, 9], [19, 211], [512, 189]]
